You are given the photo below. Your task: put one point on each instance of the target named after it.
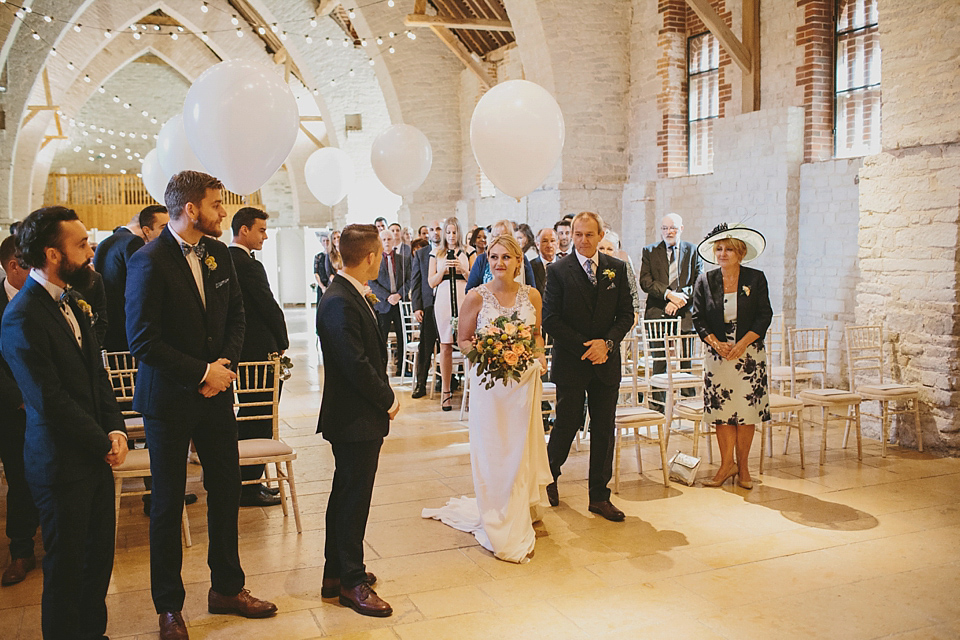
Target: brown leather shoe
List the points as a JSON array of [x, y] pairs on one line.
[[242, 604], [18, 570], [365, 601], [606, 509], [553, 495], [172, 626], [330, 588]]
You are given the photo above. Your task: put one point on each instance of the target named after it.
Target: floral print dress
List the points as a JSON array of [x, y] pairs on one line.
[[735, 391]]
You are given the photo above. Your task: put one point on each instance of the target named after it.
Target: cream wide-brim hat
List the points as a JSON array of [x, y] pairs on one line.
[[752, 238]]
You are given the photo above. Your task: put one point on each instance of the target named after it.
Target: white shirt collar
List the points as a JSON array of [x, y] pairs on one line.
[[583, 260], [548, 261], [359, 286], [10, 289], [237, 244], [181, 240], [55, 291]]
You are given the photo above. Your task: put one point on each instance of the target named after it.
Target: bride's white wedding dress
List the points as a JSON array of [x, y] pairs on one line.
[[507, 452]]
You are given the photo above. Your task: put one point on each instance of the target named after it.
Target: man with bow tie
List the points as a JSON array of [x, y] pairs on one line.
[[185, 326], [74, 429], [391, 286]]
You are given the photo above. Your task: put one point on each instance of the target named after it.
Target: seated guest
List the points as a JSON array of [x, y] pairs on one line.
[[480, 272], [391, 286]]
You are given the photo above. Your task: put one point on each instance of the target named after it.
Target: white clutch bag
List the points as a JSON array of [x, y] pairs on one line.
[[683, 468]]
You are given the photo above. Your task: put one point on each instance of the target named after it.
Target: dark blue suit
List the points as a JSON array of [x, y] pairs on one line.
[[422, 299], [388, 315], [110, 261], [354, 418], [70, 409], [574, 312], [174, 337]]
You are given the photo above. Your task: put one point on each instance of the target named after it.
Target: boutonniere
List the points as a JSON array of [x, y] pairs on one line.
[[746, 290], [85, 307], [211, 263], [372, 298], [610, 274]]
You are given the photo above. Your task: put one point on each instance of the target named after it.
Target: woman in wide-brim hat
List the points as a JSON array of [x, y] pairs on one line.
[[731, 313]]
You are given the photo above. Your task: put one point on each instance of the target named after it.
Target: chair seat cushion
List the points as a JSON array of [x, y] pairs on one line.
[[690, 408], [412, 345], [783, 373], [263, 448], [887, 391], [680, 380], [782, 404], [633, 416], [827, 397], [137, 460]]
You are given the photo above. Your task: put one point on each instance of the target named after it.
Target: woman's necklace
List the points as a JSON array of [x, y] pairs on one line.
[[730, 282]]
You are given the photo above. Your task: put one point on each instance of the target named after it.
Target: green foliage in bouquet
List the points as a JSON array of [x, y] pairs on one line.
[[503, 350]]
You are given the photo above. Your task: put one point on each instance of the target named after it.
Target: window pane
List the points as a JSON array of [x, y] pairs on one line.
[[858, 123], [704, 53], [856, 14], [701, 146], [858, 59]]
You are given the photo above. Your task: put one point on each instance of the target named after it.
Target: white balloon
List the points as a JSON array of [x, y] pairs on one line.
[[241, 120], [154, 178], [401, 157], [329, 175], [517, 135], [173, 150]]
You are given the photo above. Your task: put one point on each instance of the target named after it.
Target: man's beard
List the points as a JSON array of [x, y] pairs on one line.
[[78, 276], [208, 227]]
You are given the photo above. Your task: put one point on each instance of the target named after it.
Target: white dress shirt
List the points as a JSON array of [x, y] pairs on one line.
[[9, 289], [193, 261], [583, 262]]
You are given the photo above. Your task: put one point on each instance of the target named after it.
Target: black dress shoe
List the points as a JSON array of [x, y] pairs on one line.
[[553, 495], [259, 499], [273, 491], [419, 392], [606, 509]]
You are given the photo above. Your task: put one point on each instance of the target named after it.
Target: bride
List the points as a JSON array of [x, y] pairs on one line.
[[507, 449]]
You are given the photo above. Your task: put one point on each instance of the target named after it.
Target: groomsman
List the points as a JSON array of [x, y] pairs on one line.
[[355, 413], [266, 333], [74, 430], [22, 517], [391, 286], [185, 325], [422, 298], [587, 310]]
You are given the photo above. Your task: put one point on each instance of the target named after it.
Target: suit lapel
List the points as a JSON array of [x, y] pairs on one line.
[[53, 308], [716, 289], [367, 312], [579, 275]]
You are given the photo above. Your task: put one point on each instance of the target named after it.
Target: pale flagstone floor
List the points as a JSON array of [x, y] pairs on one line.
[[846, 550]]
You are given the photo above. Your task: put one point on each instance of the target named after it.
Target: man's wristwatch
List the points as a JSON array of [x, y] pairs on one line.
[[609, 344]]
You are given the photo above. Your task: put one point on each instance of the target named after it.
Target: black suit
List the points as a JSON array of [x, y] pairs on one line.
[[754, 312], [655, 279], [422, 298], [576, 311], [321, 270], [266, 333], [70, 409], [22, 517], [174, 337], [110, 261], [540, 273], [353, 418], [388, 315]]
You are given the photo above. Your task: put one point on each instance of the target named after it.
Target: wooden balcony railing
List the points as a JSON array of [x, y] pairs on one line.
[[106, 201]]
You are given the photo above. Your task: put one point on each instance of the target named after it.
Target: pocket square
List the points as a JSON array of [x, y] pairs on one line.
[[612, 286], [221, 283]]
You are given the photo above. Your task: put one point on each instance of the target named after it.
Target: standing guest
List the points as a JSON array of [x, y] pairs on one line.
[[449, 265], [547, 246], [74, 430], [266, 333], [407, 236], [399, 244], [111, 260], [422, 301], [417, 244], [355, 413], [391, 286], [424, 233], [381, 224], [334, 262], [587, 311], [563, 230], [731, 313], [480, 273], [478, 240], [523, 234], [96, 296], [185, 324], [320, 274], [22, 517], [610, 245]]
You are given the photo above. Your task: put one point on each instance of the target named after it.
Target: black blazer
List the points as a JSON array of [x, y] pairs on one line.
[[67, 395], [320, 268], [539, 273], [170, 332], [356, 390], [10, 396], [96, 297], [655, 278], [574, 312], [266, 328], [754, 312], [380, 287], [421, 293], [110, 261]]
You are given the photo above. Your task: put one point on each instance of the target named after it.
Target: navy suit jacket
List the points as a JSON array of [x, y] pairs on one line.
[[421, 293], [754, 312], [356, 390], [476, 273], [10, 396], [655, 278], [380, 287], [170, 332], [266, 329], [69, 401], [575, 311], [110, 261]]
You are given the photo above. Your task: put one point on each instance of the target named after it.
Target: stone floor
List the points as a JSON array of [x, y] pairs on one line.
[[847, 550]]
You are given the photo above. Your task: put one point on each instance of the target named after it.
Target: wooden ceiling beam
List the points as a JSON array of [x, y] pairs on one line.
[[451, 22], [473, 40], [453, 43], [740, 54]]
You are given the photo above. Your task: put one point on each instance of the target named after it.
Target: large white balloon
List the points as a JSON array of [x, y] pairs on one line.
[[401, 157], [241, 120], [329, 175], [154, 178], [173, 150], [517, 135]]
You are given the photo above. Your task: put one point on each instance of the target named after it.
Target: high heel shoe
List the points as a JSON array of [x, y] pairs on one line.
[[719, 483], [745, 484], [443, 403]]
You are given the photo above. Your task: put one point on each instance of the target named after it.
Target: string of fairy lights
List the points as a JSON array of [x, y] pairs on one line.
[[137, 31]]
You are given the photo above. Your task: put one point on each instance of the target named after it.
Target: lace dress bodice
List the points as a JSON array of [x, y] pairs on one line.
[[492, 309]]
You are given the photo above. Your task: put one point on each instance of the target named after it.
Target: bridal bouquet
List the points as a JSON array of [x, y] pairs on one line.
[[503, 350]]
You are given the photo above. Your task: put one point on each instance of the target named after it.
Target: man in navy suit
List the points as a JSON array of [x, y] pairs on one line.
[[185, 325], [355, 413], [587, 310], [266, 333], [22, 517], [422, 299], [391, 286], [74, 428]]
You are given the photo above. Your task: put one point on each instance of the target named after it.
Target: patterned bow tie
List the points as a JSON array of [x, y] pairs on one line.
[[198, 249], [65, 297]]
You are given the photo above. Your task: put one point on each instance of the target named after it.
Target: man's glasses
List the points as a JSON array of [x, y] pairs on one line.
[[667, 229]]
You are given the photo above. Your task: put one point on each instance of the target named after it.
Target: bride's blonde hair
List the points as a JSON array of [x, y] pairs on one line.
[[512, 247]]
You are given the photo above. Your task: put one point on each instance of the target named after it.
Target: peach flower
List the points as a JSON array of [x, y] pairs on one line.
[[511, 358]]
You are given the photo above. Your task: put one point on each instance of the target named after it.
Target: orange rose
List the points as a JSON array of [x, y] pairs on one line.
[[518, 349], [497, 346], [510, 358], [510, 329]]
